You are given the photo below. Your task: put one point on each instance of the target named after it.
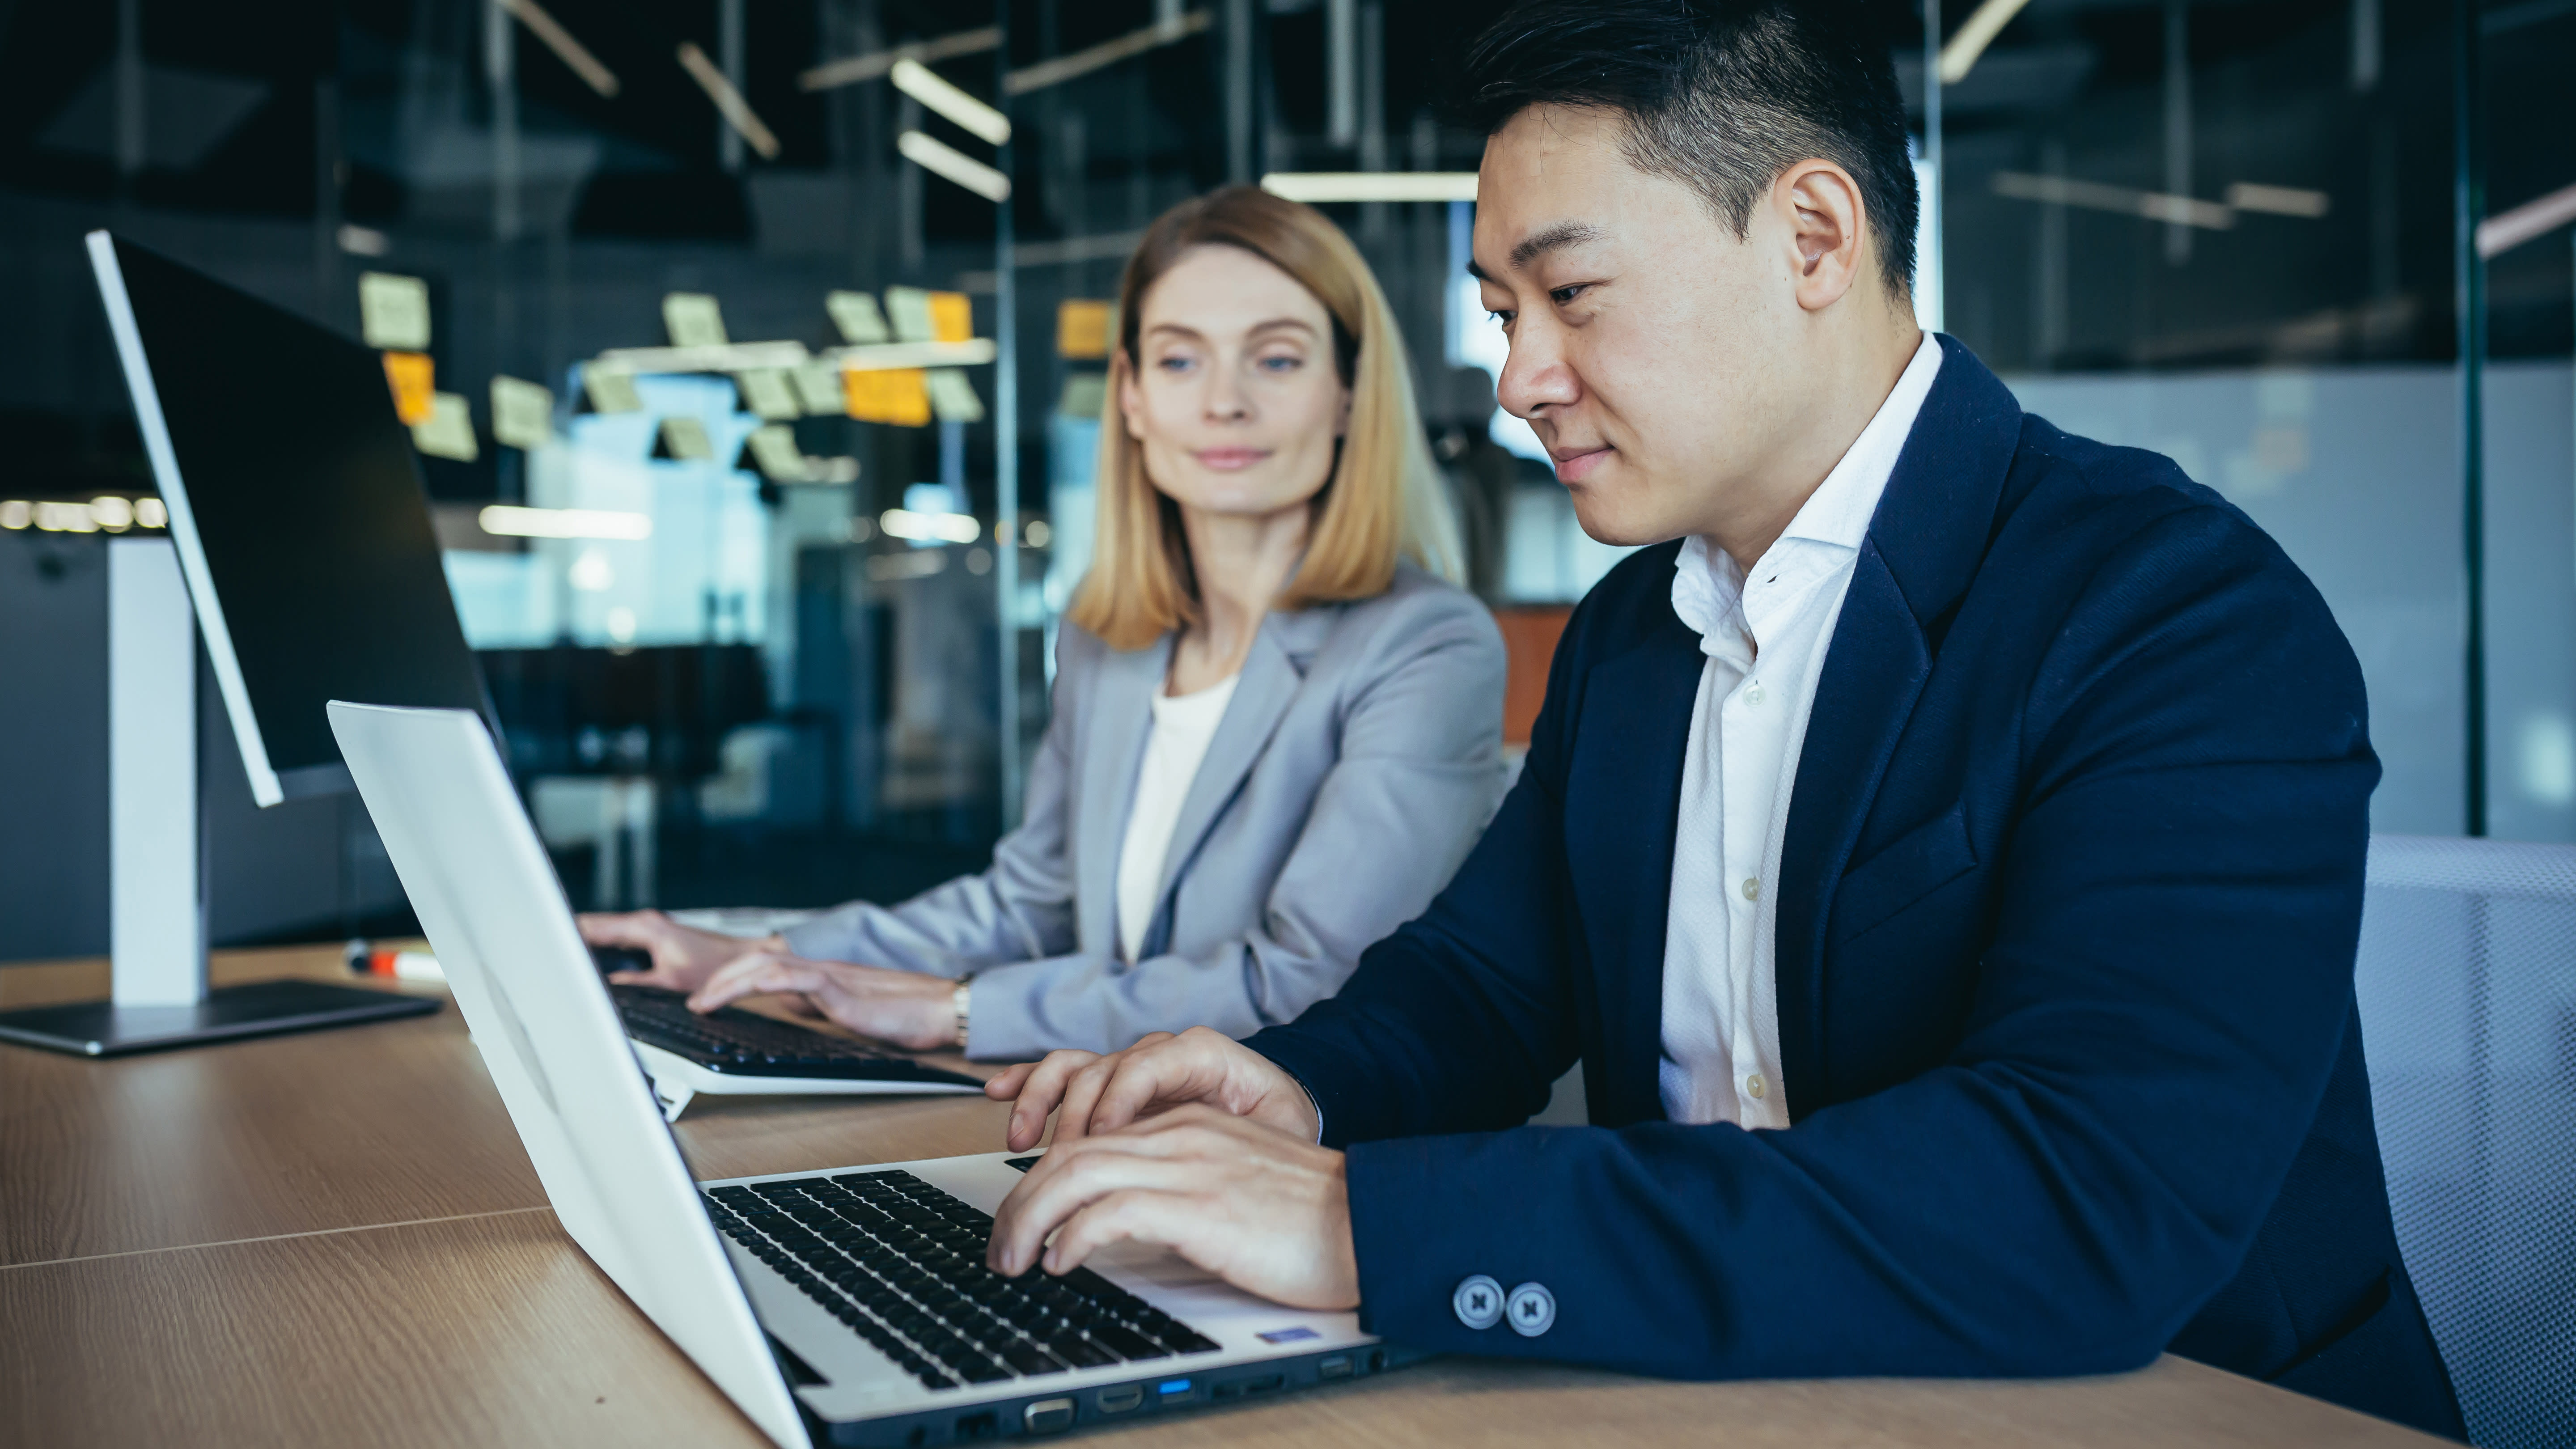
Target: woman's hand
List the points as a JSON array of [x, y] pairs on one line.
[[905, 1008], [1160, 1072], [683, 957]]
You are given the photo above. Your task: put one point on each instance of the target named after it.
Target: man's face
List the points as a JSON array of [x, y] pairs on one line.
[[1654, 352]]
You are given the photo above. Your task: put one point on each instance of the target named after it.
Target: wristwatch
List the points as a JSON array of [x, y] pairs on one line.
[[957, 1001]]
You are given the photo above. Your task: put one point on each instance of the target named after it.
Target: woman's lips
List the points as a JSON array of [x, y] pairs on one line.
[[1574, 467], [1231, 460]]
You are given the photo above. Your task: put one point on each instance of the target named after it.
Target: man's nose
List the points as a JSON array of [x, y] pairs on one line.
[[1536, 375]]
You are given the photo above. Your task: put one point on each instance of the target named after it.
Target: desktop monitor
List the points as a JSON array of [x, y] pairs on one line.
[[295, 501]]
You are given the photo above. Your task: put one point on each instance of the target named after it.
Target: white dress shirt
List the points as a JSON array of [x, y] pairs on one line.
[[1183, 727], [1765, 636]]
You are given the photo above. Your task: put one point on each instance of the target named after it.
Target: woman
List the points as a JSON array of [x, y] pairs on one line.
[[1275, 732]]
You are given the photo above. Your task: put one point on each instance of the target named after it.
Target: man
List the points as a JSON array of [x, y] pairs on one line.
[[1943, 851]]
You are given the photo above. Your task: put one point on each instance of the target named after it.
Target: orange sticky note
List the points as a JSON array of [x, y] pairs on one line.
[[952, 317], [410, 376], [1082, 328], [898, 395]]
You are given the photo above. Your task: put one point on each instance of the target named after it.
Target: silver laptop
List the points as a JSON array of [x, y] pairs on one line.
[[849, 1306]]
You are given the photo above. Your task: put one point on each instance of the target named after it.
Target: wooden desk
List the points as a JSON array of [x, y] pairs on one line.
[[334, 1239]]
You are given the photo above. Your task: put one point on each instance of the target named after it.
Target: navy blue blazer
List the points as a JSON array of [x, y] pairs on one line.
[[2070, 893]]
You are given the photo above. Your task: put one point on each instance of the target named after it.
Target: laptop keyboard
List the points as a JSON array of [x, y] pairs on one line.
[[747, 1044], [902, 1264]]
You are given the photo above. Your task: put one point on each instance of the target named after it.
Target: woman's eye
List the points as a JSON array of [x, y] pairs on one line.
[[1173, 364], [1281, 363]]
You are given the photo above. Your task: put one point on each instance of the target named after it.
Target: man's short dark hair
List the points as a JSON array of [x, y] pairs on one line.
[[1720, 95]]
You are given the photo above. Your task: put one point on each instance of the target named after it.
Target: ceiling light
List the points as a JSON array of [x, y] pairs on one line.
[[1107, 53], [2127, 200], [930, 527], [2506, 230], [559, 40], [856, 68], [1322, 186], [942, 159], [507, 521], [927, 86], [2278, 200], [729, 102], [1986, 22]]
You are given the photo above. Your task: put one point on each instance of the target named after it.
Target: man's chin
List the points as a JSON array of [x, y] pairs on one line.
[[1604, 521]]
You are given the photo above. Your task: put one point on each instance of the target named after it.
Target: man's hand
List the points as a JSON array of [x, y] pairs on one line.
[[1160, 1072], [683, 957], [908, 1009], [1267, 1212]]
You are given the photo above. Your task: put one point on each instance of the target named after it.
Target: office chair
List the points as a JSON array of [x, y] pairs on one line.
[[2467, 985]]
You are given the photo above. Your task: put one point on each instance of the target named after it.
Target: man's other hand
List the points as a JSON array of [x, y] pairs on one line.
[[683, 956], [1160, 1072], [1266, 1211]]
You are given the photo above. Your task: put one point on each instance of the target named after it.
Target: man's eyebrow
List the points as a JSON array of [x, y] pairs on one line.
[[1563, 234]]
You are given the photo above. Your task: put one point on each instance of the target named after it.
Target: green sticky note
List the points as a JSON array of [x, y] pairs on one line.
[[393, 312], [523, 413], [774, 452], [448, 431], [611, 391], [856, 314], [685, 438], [694, 320], [952, 397]]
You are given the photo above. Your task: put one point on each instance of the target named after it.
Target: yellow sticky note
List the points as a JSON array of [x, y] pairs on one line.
[[818, 388], [448, 431], [898, 395], [611, 391], [411, 377], [767, 393], [523, 413], [1082, 327], [393, 312], [953, 398], [908, 308], [775, 454], [952, 317], [685, 438], [856, 314], [694, 320]]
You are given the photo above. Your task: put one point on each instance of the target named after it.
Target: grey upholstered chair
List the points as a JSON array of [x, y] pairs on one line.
[[2467, 984]]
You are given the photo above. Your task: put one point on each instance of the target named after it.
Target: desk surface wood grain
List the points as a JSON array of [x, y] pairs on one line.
[[335, 1239]]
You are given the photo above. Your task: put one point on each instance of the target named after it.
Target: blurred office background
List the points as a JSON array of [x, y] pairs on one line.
[[2316, 250]]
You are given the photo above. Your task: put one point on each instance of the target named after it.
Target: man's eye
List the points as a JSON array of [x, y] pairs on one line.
[[1564, 295], [1500, 319]]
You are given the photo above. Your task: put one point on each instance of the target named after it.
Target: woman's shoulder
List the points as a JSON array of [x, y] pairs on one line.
[[1421, 608]]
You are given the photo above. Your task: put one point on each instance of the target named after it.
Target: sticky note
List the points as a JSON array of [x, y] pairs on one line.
[[897, 395], [952, 317], [774, 452], [694, 320], [856, 314], [448, 431], [1082, 327], [1085, 395], [953, 398], [818, 388], [909, 309], [685, 438], [410, 376], [393, 311], [523, 413], [767, 393], [610, 390]]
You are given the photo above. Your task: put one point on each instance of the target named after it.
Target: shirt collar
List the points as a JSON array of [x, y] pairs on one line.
[[1707, 584]]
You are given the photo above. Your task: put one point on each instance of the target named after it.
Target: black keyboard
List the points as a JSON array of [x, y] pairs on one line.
[[902, 1264], [745, 1044]]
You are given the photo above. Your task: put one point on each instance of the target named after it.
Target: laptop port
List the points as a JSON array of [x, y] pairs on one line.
[[1172, 1390], [1264, 1384], [986, 1425], [1223, 1392], [1119, 1401], [1337, 1366], [1377, 1360], [1048, 1416]]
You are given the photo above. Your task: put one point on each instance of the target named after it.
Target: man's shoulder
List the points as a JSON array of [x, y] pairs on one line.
[[2087, 496]]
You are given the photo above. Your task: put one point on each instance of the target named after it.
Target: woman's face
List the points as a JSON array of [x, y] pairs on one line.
[[1233, 395]]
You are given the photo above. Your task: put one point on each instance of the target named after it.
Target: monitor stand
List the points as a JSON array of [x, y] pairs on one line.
[[157, 918]]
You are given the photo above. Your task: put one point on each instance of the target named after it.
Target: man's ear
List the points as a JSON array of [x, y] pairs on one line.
[[1828, 229]]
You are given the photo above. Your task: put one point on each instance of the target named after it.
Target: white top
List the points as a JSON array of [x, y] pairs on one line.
[[1183, 726], [1765, 637]]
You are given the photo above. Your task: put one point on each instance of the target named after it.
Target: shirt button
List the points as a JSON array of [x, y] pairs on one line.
[[1478, 1302], [1754, 1086], [1533, 1310], [1752, 889], [1753, 692]]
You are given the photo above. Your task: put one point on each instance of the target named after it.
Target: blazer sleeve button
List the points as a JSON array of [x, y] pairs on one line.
[[1478, 1301], [1533, 1310]]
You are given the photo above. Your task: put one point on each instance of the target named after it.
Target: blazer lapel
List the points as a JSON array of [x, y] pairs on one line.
[[1623, 804], [1271, 674], [1121, 712], [1923, 548]]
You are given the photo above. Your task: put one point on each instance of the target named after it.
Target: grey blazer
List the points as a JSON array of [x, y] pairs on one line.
[[1359, 759]]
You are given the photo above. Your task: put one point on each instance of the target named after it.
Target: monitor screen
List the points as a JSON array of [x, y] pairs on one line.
[[296, 505]]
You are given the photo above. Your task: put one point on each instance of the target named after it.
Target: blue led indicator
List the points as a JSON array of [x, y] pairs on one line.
[[1174, 1386]]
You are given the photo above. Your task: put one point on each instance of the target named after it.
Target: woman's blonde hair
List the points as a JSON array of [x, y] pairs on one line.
[[1384, 500]]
